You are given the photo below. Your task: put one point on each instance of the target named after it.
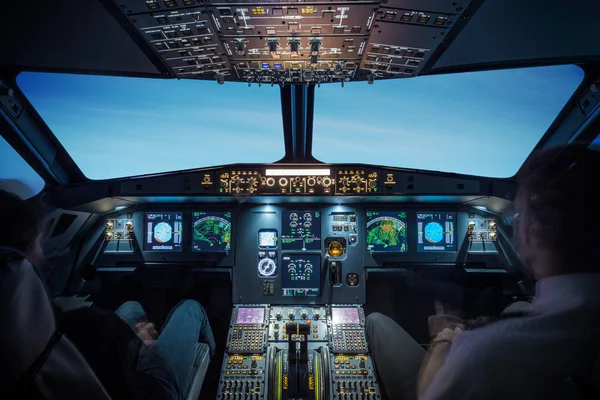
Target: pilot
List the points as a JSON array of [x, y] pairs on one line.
[[550, 352], [129, 357]]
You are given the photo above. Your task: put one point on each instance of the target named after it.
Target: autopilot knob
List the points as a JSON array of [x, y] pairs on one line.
[[362, 364], [253, 364]]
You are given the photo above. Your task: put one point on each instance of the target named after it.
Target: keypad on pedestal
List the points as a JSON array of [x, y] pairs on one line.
[[247, 338], [348, 338]]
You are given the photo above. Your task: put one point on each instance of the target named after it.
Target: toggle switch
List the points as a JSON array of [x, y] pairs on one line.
[[314, 47], [240, 47], [273, 48], [294, 46]]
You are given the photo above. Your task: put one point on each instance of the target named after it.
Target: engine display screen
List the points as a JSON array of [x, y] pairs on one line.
[[163, 231], [301, 230], [386, 231], [212, 231], [344, 315], [267, 238], [301, 275], [436, 231], [254, 315]]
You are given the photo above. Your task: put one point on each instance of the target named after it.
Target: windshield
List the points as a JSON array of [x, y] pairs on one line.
[[115, 127], [479, 123]]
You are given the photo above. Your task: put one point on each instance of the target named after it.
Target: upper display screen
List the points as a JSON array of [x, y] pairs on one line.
[[301, 230], [254, 315], [345, 315], [386, 231], [267, 238], [212, 231], [436, 231], [301, 275], [163, 231]]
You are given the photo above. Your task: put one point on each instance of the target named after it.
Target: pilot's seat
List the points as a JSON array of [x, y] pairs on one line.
[[35, 359]]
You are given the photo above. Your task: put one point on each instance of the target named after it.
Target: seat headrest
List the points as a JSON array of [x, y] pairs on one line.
[[26, 317]]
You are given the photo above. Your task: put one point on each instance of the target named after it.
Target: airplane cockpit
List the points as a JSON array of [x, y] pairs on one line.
[[293, 166]]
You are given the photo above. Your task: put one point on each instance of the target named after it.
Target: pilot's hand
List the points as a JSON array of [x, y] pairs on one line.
[[437, 323], [146, 331], [448, 335]]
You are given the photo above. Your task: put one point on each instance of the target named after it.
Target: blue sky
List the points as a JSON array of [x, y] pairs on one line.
[[482, 123]]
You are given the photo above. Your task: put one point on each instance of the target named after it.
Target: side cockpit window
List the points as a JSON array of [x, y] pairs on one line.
[[16, 175], [596, 144]]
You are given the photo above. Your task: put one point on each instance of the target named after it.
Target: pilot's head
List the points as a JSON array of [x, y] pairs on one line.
[[556, 222], [22, 226]]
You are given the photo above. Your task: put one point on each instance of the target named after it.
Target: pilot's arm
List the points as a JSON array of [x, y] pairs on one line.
[[453, 372]]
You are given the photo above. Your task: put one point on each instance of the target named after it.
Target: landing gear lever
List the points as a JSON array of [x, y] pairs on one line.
[[335, 273]]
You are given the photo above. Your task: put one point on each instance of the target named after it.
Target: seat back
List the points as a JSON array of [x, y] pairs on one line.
[[35, 359], [199, 371]]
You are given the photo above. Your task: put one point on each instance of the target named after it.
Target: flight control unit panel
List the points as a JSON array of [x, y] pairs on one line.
[[297, 352]]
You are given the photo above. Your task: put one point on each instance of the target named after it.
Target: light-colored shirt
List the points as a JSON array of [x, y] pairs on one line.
[[527, 357]]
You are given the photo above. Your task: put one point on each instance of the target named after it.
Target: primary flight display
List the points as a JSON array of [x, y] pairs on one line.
[[163, 231]]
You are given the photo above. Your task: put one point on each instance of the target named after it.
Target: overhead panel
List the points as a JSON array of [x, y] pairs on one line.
[[293, 42]]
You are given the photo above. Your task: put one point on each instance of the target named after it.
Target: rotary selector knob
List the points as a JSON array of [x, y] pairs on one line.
[[316, 314], [304, 314], [266, 267]]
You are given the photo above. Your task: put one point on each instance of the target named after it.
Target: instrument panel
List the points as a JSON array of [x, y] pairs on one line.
[[288, 254], [308, 180], [288, 42], [318, 181]]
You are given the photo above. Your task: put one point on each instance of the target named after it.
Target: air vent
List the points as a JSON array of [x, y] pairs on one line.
[[64, 222]]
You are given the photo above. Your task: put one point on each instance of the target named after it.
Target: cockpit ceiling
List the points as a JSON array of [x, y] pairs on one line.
[[293, 42]]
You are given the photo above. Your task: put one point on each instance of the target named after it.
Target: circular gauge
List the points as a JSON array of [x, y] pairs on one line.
[[307, 224], [294, 217], [308, 217], [292, 267], [434, 232], [308, 268], [335, 248], [266, 267], [293, 224], [163, 232]]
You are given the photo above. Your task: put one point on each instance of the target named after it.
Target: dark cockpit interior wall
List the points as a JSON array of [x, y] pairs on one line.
[[263, 246]]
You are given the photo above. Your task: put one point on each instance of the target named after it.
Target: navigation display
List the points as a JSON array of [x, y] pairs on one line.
[[267, 238], [436, 231], [301, 230], [386, 231], [211, 231], [345, 315], [163, 231], [254, 315], [301, 275]]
